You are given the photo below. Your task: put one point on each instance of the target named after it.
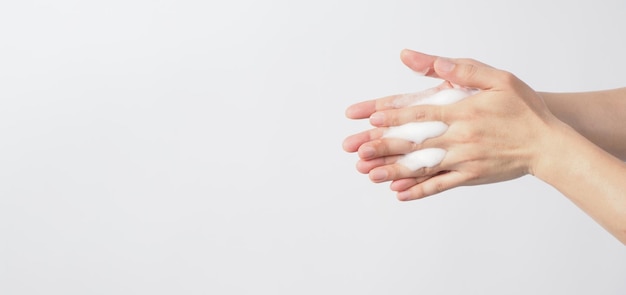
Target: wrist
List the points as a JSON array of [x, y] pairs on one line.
[[551, 149], [563, 154]]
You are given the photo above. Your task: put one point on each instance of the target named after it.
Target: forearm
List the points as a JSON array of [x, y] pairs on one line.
[[598, 116], [587, 175], [502, 132]]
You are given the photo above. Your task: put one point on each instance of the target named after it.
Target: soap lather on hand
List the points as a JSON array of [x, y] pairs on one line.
[[417, 132]]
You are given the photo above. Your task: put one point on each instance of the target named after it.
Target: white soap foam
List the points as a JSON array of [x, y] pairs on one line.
[[422, 158], [419, 131]]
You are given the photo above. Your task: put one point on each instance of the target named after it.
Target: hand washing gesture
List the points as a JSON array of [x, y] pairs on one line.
[[490, 136], [493, 127]]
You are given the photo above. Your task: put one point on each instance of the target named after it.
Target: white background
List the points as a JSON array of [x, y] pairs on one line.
[[194, 147]]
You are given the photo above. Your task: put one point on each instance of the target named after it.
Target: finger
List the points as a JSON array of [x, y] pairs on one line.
[[422, 162], [365, 166], [365, 109], [352, 143], [399, 185], [420, 63], [469, 73], [397, 171], [432, 186], [386, 147], [422, 108], [424, 64], [397, 117], [403, 184], [361, 110]]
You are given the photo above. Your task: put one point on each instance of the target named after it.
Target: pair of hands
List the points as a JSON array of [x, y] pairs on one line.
[[494, 135]]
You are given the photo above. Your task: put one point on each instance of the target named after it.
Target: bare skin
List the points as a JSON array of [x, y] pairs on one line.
[[598, 115], [573, 142]]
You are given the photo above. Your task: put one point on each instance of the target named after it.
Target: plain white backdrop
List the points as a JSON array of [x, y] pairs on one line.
[[194, 147]]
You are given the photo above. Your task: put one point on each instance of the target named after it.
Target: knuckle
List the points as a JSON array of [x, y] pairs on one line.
[[419, 114], [440, 187], [394, 119], [424, 171], [468, 71], [420, 193], [415, 146], [427, 113], [380, 145], [441, 113], [507, 78]]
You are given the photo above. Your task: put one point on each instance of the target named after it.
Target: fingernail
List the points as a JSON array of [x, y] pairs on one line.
[[377, 119], [349, 112], [378, 175], [444, 65], [404, 196], [367, 152], [422, 72]]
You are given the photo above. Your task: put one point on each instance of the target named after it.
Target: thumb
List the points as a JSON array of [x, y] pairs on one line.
[[420, 63], [467, 73]]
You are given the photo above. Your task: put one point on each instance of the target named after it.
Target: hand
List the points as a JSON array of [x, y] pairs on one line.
[[494, 135]]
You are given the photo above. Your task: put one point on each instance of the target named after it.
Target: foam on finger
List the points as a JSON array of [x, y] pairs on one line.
[[419, 159], [417, 132]]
